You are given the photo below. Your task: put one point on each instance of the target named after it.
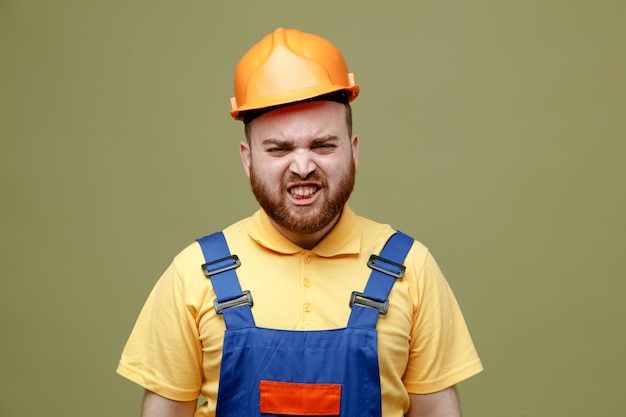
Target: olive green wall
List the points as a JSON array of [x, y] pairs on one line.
[[493, 131]]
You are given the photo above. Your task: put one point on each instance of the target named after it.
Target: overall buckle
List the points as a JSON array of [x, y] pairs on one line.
[[359, 299], [221, 265], [246, 298], [386, 266]]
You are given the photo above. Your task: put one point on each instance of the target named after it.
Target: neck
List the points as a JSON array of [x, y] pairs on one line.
[[306, 240]]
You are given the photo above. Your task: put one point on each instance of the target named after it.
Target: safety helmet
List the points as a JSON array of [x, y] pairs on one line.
[[288, 66]]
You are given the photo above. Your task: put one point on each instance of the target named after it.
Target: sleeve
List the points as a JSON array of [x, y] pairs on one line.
[[163, 353], [441, 353]]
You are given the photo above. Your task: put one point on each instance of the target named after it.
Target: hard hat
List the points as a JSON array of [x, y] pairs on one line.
[[288, 66]]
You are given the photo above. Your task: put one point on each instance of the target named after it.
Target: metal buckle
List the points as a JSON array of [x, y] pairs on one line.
[[246, 298], [388, 267], [358, 298], [221, 265]]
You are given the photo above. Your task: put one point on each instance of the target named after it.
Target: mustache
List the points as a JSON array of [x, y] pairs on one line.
[[313, 176]]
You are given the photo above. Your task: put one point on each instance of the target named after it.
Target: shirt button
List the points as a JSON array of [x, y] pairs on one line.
[[307, 259], [307, 307], [307, 282]]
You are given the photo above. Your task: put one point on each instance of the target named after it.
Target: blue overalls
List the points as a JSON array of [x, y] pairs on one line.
[[270, 372]]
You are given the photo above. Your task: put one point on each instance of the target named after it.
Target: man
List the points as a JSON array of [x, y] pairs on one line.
[[304, 338]]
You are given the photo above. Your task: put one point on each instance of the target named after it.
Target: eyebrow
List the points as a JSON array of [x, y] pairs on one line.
[[316, 141]]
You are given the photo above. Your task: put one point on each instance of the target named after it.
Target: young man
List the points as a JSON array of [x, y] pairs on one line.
[[303, 320]]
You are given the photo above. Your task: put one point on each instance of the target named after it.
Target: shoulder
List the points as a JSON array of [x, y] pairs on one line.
[[187, 264], [377, 234]]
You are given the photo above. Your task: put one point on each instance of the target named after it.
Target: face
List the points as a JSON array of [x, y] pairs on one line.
[[301, 162]]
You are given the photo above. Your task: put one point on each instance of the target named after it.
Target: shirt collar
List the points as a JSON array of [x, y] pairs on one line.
[[343, 239]]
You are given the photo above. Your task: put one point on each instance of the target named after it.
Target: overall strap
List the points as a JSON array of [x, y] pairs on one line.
[[386, 268], [231, 302]]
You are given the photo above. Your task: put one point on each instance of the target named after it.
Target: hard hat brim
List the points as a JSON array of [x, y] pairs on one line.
[[289, 97]]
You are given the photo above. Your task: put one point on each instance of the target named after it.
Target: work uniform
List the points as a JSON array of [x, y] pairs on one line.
[[423, 344]]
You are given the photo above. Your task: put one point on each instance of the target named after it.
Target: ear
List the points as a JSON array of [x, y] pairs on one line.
[[355, 150], [244, 152]]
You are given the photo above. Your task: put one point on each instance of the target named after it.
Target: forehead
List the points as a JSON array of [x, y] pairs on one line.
[[301, 121]]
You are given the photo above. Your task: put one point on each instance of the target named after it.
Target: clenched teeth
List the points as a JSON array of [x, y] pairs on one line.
[[304, 191]]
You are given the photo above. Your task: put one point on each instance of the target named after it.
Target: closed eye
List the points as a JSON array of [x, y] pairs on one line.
[[276, 147], [324, 147], [276, 150]]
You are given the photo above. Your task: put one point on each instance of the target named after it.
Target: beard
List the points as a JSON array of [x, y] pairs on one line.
[[304, 219]]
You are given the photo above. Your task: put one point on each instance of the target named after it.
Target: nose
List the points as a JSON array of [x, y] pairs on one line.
[[302, 163]]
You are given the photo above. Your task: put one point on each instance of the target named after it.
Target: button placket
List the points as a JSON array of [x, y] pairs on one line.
[[307, 306]]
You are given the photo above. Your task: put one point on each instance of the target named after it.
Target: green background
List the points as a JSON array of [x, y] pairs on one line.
[[493, 131]]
